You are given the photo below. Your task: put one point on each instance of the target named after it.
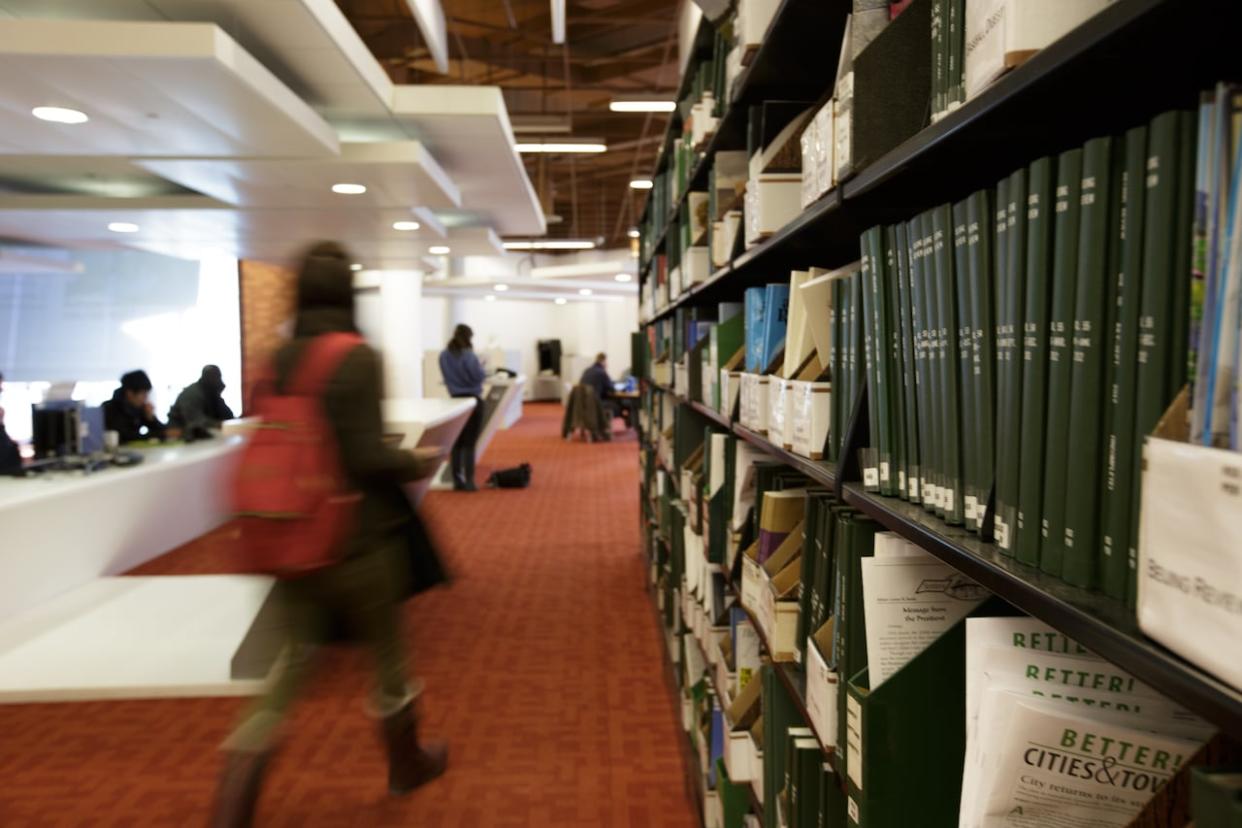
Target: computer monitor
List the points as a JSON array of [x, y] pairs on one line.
[[57, 427]]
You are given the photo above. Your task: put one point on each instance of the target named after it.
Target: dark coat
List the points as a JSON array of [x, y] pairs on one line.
[[353, 406], [128, 422], [10, 455], [597, 377], [198, 409]]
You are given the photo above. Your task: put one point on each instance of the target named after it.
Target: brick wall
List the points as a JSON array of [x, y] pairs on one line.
[[268, 300]]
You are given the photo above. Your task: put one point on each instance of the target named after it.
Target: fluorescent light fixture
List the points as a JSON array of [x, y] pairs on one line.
[[632, 232], [355, 267], [123, 227], [491, 297], [585, 291], [623, 277], [641, 184], [349, 189], [558, 21], [551, 244], [603, 268], [59, 115], [439, 250], [560, 300], [405, 225], [500, 288], [563, 146], [643, 106]]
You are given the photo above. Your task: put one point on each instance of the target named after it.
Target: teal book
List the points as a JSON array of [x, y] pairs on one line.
[[1119, 406], [1009, 309], [946, 339], [896, 385], [775, 321], [965, 364], [884, 362], [837, 420], [754, 306], [870, 462], [1060, 322], [920, 492], [1039, 205], [934, 478], [979, 237], [908, 365], [1088, 347]]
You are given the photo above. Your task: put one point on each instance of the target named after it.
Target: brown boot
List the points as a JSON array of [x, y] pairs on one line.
[[409, 763], [238, 791]]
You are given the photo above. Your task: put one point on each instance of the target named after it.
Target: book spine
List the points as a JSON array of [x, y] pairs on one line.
[[837, 377], [939, 57], [914, 240], [1119, 406], [895, 385], [1088, 347], [882, 352], [1000, 283], [1183, 257], [909, 367], [1034, 360], [1060, 322], [931, 350], [875, 410], [956, 54], [965, 366], [1008, 366], [979, 237], [946, 292]]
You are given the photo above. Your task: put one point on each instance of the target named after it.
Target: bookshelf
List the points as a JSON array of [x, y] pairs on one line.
[[1133, 60]]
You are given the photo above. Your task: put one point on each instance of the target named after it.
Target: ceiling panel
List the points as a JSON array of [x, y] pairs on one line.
[[150, 89]]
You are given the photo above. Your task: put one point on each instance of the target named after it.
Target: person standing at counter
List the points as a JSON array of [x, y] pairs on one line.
[[377, 569], [130, 413], [10, 455], [199, 408], [463, 375]]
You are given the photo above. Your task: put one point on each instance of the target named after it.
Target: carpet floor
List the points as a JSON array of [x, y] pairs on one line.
[[544, 670]]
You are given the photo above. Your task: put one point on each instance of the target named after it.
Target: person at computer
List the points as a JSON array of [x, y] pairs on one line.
[[199, 408], [10, 455], [596, 376], [463, 376], [130, 413]]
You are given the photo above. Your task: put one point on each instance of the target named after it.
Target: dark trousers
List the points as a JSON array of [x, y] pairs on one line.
[[462, 458]]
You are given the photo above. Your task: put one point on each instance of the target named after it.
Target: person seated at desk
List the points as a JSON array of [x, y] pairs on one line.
[[130, 414], [199, 408], [10, 454], [597, 377]]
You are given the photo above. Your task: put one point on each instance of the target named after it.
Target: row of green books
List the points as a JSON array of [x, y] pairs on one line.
[[1020, 343], [948, 36]]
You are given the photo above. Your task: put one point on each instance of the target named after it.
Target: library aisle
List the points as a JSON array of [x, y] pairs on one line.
[[543, 664]]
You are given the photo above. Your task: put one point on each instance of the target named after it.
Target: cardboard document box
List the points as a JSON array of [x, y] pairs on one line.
[[779, 609], [730, 391], [809, 414], [822, 687], [809, 142], [777, 388], [751, 26], [755, 401], [772, 201], [1190, 553], [695, 266]]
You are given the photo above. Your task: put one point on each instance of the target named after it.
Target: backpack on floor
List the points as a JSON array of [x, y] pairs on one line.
[[293, 504], [517, 477]]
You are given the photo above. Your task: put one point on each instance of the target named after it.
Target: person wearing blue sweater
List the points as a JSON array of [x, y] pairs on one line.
[[463, 375]]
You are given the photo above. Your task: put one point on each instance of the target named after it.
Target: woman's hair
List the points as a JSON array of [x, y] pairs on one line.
[[461, 339]]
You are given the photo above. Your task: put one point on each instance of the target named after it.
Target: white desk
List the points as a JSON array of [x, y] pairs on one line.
[[428, 422]]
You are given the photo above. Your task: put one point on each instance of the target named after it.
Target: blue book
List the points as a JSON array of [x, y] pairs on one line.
[[775, 320], [754, 301]]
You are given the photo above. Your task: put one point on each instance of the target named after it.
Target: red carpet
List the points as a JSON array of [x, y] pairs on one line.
[[543, 667]]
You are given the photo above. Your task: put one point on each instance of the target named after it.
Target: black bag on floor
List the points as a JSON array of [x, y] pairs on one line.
[[515, 478]]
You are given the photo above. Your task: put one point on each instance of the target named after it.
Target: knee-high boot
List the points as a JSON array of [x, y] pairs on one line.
[[410, 764]]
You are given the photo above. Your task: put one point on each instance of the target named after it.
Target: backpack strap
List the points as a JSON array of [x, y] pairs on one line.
[[323, 355]]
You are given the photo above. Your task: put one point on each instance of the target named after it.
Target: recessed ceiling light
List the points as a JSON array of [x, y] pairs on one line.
[[355, 267], [405, 225], [500, 288], [632, 232], [123, 227], [349, 189], [641, 184], [552, 244], [560, 300], [563, 146], [491, 297], [438, 250], [623, 277], [585, 291], [59, 115], [642, 106]]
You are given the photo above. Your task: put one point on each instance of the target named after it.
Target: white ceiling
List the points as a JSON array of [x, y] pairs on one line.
[[260, 115]]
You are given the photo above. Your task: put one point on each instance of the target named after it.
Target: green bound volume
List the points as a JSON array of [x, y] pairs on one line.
[[918, 324], [1060, 322], [834, 362], [1034, 357], [908, 365], [857, 366], [871, 365], [1119, 406], [946, 301], [1009, 364], [1000, 281], [931, 345], [1162, 276], [983, 365], [1088, 347], [1179, 365], [896, 383], [883, 352], [965, 366]]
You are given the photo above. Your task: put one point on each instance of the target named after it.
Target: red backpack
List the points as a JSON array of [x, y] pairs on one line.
[[294, 507]]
